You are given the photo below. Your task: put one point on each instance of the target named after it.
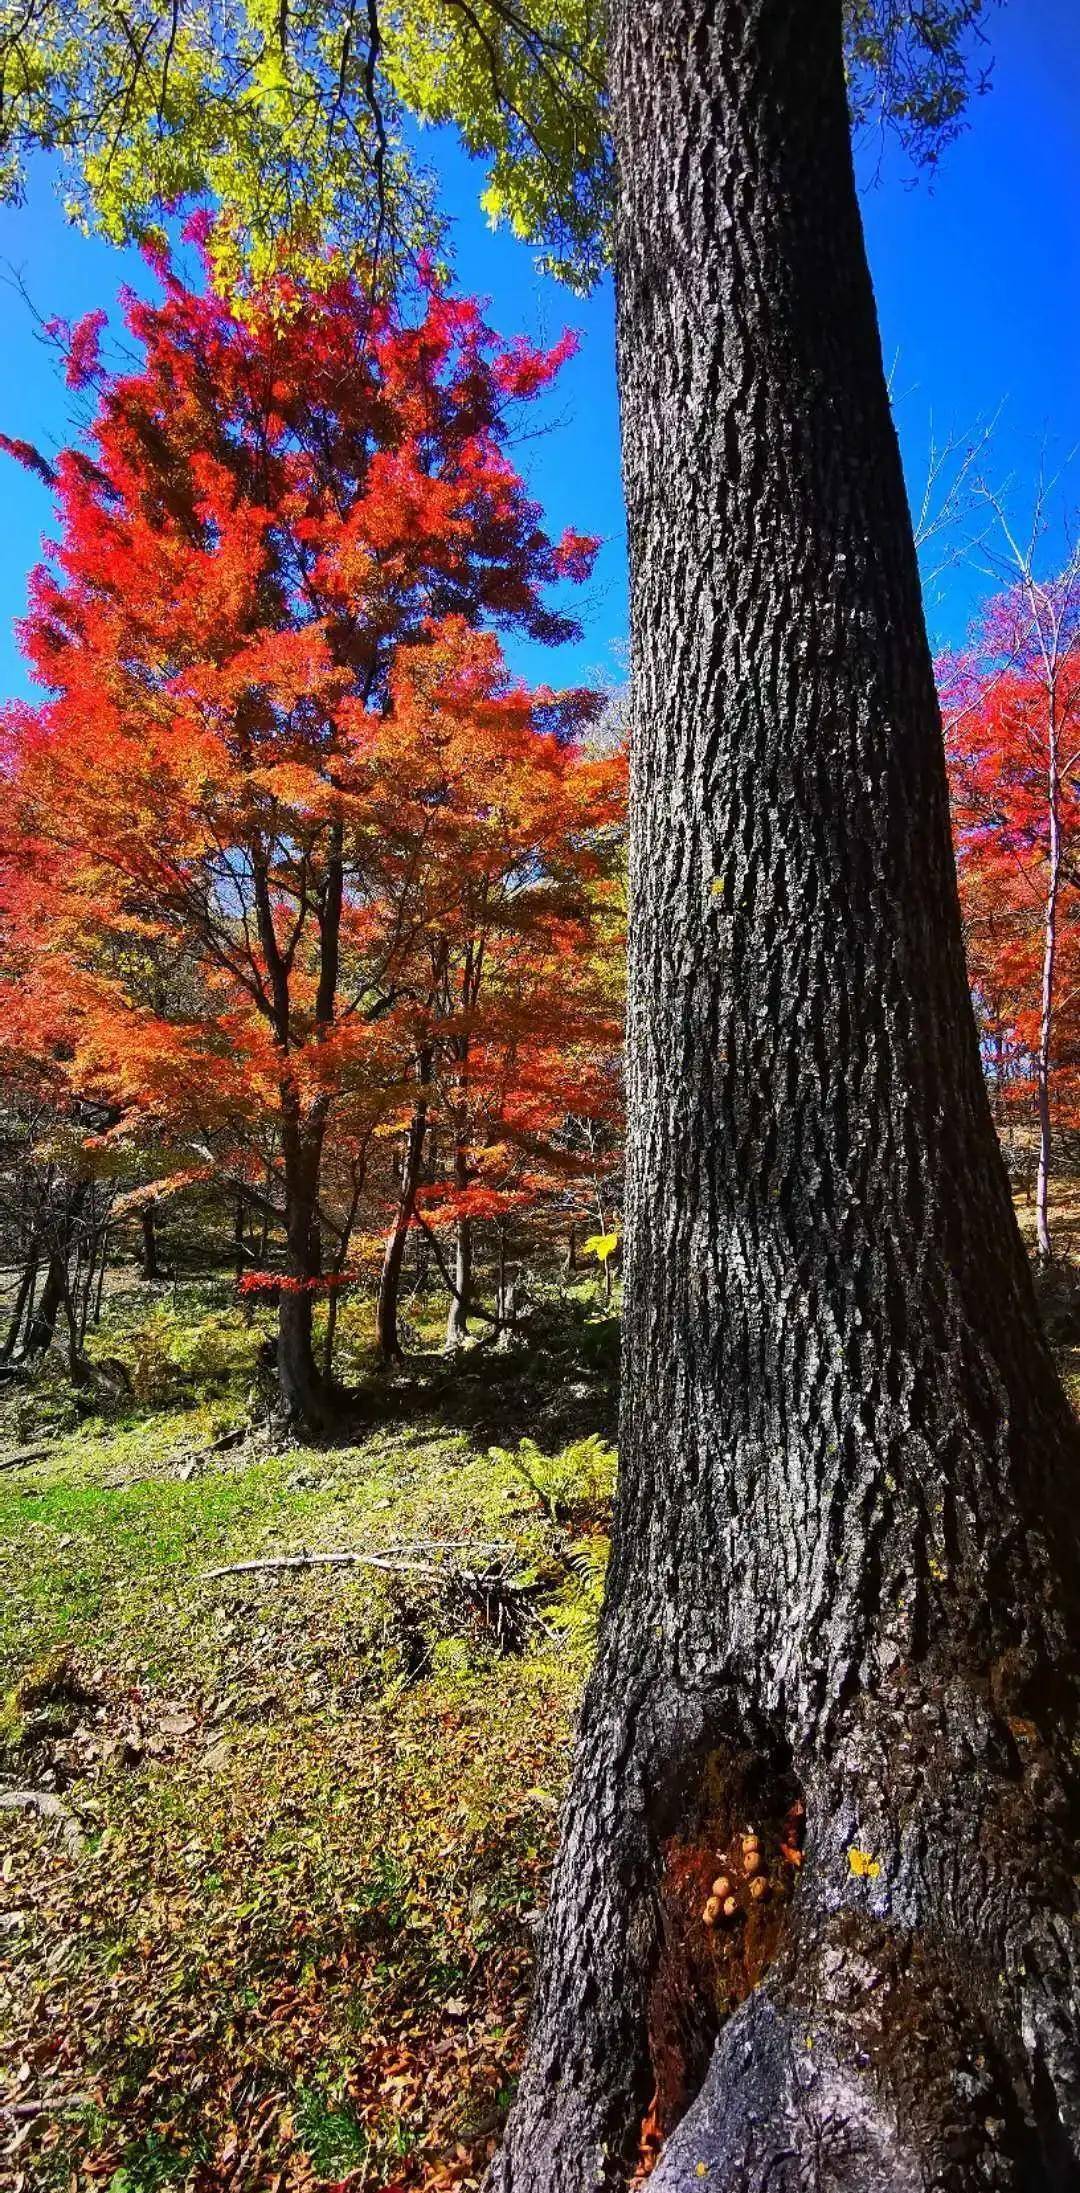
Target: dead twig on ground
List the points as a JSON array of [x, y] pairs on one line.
[[25, 1456]]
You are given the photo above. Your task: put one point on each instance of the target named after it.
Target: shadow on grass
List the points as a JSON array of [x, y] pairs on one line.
[[558, 1382]]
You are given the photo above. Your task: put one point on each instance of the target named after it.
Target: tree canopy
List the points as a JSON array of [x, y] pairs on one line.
[[300, 117]]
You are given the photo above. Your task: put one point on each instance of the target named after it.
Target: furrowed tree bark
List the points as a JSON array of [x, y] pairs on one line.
[[846, 1571]]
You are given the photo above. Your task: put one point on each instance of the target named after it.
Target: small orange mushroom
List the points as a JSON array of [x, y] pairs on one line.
[[759, 1886], [711, 1912], [731, 1905], [721, 1886]]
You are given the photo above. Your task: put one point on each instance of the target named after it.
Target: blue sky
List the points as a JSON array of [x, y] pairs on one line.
[[978, 285]]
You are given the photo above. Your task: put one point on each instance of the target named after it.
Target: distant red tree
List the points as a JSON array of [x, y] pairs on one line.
[[1011, 704], [280, 737]]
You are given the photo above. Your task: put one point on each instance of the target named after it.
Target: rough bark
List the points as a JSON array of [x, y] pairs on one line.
[[846, 1572]]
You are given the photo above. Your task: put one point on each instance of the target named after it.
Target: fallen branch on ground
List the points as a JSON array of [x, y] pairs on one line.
[[501, 1599], [25, 1456], [44, 2104], [398, 1560]]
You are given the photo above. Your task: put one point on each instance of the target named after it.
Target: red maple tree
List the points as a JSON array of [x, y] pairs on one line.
[[1011, 705], [281, 744]]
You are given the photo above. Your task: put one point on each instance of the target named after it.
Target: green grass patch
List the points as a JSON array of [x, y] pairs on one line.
[[315, 1807]]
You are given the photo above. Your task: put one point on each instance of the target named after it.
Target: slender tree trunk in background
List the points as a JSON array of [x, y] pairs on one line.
[[1046, 1010], [150, 1268], [239, 1246], [302, 1389], [24, 1302], [102, 1270], [359, 1171], [506, 1296], [457, 1322], [387, 1340], [41, 1327], [846, 1570]]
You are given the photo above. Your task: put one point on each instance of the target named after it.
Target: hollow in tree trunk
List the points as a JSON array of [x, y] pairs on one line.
[[841, 1619]]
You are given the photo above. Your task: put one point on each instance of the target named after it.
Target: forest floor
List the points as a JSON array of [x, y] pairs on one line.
[[267, 1921], [268, 1925]]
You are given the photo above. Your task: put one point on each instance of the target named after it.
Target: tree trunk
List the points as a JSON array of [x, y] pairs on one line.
[[846, 1571], [239, 1244], [298, 1372], [359, 1171], [303, 1393], [103, 1266], [505, 1297], [24, 1302], [387, 1340], [41, 1326], [1047, 996], [457, 1322], [150, 1267]]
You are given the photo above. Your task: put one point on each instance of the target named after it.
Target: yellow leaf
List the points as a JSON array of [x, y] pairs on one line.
[[862, 1865]]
